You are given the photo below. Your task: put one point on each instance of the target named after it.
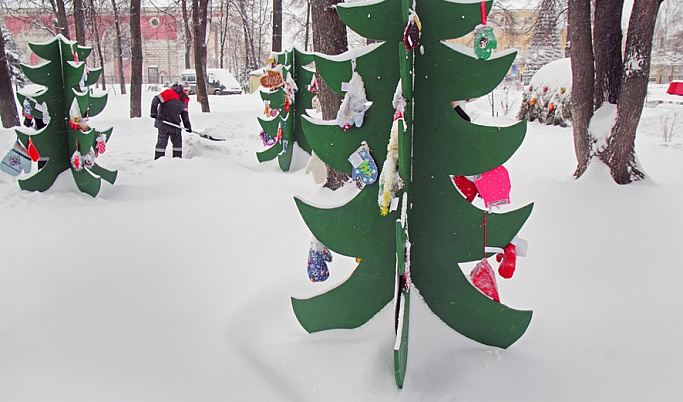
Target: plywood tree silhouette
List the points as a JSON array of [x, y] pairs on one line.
[[286, 125], [437, 227], [62, 105]]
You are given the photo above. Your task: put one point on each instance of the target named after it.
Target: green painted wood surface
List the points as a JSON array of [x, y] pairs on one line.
[[444, 229], [57, 141]]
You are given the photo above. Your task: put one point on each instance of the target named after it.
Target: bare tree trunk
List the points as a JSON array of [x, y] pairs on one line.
[[607, 49], [329, 37], [188, 33], [308, 24], [79, 21], [62, 22], [94, 21], [8, 106], [583, 73], [119, 49], [136, 60], [199, 21], [223, 26], [277, 25], [619, 154]]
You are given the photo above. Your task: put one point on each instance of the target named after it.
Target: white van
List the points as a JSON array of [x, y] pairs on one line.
[[218, 82]]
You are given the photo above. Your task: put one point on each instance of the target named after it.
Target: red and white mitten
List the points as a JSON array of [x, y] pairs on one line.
[[508, 261], [484, 279], [466, 187]]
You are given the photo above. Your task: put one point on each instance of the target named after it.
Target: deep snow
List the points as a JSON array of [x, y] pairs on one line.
[[174, 283]]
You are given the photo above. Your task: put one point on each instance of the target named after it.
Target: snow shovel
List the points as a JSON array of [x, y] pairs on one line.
[[207, 136]]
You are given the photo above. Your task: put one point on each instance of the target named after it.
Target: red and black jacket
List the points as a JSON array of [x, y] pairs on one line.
[[171, 105]]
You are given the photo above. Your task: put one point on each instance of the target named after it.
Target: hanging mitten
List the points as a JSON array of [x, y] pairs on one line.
[[508, 261], [352, 110], [364, 167], [484, 279], [100, 145], [494, 187], [466, 187], [318, 257]]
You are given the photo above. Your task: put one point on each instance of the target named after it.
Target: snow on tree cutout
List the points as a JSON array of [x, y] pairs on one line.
[[58, 129]]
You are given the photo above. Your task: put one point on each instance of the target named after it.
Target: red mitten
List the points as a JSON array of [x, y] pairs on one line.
[[466, 187], [484, 279], [508, 261]]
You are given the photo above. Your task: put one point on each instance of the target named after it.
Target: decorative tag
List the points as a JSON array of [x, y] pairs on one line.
[[494, 187], [364, 167], [272, 79], [484, 41]]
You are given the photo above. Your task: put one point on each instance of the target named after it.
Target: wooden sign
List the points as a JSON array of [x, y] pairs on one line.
[[272, 79]]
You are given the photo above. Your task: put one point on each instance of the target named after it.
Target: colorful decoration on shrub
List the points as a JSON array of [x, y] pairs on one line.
[[57, 133], [548, 97]]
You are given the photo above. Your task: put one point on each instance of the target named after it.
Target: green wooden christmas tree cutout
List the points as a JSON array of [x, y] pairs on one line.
[[437, 227], [62, 105], [286, 126]]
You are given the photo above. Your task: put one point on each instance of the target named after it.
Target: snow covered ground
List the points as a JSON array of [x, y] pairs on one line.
[[174, 283]]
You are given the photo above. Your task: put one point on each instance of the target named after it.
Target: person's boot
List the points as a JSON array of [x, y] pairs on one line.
[[177, 154], [158, 155]]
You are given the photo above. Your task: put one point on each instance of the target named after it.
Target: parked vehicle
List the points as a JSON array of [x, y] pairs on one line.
[[218, 82]]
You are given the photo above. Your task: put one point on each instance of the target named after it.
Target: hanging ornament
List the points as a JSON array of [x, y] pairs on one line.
[[267, 139], [88, 159], [313, 86], [100, 144], [32, 151], [16, 160], [413, 31], [484, 39], [364, 167], [494, 187], [77, 160], [279, 133], [27, 113], [484, 279], [507, 260], [318, 257], [353, 107], [389, 180], [466, 187]]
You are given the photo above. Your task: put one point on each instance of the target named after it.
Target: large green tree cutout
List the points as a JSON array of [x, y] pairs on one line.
[[66, 81], [438, 228], [288, 120]]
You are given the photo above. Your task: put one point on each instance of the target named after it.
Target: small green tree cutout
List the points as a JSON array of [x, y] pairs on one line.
[[285, 127], [62, 105], [436, 228]]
